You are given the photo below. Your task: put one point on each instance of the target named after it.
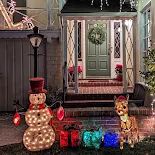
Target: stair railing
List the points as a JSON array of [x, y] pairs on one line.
[[64, 82]]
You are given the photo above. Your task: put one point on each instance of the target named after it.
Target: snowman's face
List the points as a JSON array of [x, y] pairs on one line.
[[37, 98]]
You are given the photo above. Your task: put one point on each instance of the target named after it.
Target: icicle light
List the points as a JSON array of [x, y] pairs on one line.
[[133, 3]]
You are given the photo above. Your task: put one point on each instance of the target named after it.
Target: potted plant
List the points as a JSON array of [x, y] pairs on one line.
[[71, 73], [118, 71]]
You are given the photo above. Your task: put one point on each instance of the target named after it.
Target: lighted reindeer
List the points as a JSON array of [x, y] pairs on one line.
[[128, 123]]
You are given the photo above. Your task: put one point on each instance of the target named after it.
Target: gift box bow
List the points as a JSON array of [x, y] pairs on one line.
[[94, 128], [71, 127]]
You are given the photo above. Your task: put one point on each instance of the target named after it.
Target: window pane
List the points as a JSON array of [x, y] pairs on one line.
[[145, 44], [117, 39], [145, 31], [145, 18], [79, 39]]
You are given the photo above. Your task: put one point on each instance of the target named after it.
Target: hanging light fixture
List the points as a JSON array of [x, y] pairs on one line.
[[132, 3]]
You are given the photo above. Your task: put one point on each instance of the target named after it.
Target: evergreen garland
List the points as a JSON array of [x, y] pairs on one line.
[[149, 75], [94, 33]]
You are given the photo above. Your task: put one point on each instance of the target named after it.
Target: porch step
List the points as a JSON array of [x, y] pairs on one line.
[[78, 97], [94, 83], [88, 103]]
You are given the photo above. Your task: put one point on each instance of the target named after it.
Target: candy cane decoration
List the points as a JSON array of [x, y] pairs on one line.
[[11, 8], [8, 19], [28, 22]]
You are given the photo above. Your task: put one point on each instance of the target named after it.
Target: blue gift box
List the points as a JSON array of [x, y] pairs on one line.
[[111, 139]]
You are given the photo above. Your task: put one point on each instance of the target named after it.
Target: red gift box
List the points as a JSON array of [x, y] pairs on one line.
[[70, 136], [64, 138], [75, 140]]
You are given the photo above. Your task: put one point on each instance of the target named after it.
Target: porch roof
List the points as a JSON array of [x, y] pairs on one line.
[[84, 6], [24, 33]]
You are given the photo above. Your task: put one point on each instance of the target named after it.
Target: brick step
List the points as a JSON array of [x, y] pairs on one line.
[[104, 111], [93, 83], [88, 103], [95, 103], [78, 97]]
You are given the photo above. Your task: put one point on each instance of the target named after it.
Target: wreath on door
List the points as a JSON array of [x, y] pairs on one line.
[[96, 35]]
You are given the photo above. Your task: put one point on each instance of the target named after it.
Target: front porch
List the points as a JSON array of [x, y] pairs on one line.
[[99, 61], [85, 60]]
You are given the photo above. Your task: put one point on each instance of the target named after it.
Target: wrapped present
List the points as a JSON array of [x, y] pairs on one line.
[[92, 138], [111, 139], [64, 138], [75, 140], [70, 136]]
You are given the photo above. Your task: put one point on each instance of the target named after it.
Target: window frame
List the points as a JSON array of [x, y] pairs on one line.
[[147, 29], [79, 40], [146, 37]]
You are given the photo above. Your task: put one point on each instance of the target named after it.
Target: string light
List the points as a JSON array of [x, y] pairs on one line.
[[92, 2], [132, 3], [101, 4], [107, 2], [34, 98], [153, 113], [35, 139], [39, 135]]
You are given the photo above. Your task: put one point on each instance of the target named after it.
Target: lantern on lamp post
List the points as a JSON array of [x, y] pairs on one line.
[[35, 39]]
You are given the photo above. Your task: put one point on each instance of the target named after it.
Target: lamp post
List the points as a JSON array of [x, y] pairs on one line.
[[35, 39]]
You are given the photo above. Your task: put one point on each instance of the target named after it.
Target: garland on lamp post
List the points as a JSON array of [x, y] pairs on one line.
[[96, 35]]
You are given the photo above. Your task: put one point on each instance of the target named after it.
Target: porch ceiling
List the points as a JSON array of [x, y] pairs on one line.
[[84, 6]]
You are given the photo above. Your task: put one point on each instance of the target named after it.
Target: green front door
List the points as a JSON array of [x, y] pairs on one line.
[[97, 56]]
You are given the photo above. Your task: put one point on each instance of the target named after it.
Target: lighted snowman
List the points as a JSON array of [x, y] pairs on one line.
[[39, 135]]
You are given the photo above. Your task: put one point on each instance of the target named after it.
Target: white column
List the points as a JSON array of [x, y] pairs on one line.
[[64, 50], [124, 57], [76, 56], [49, 8]]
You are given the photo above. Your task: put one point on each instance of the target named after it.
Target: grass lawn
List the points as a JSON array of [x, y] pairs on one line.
[[142, 148]]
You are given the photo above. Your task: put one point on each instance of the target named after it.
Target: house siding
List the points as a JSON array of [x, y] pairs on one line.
[[17, 68], [54, 63]]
